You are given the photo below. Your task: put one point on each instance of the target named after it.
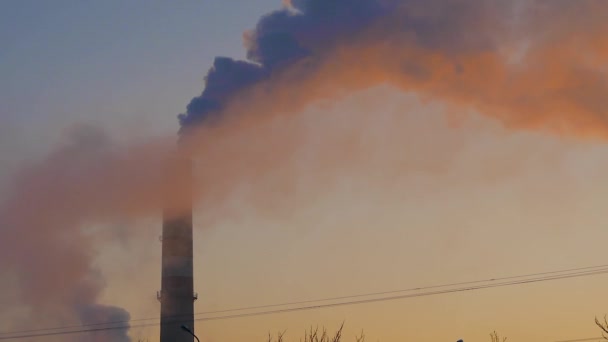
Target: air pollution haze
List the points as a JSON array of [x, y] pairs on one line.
[[530, 64], [533, 65]]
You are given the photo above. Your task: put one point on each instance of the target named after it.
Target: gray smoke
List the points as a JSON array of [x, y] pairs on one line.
[[541, 57], [48, 233], [94, 314], [543, 68], [284, 38]]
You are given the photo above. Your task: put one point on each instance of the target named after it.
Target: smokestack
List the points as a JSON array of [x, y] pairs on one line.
[[177, 294]]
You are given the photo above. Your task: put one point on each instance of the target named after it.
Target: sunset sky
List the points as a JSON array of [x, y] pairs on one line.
[[474, 148]]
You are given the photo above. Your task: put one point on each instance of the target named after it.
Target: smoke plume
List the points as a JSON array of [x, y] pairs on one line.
[[48, 236], [535, 64], [530, 64]]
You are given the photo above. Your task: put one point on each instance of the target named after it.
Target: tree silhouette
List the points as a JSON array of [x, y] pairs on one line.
[[603, 326]]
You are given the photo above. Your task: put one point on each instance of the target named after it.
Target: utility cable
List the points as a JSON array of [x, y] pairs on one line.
[[328, 305], [123, 322]]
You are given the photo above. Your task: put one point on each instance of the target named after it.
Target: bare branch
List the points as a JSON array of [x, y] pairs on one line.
[[603, 326]]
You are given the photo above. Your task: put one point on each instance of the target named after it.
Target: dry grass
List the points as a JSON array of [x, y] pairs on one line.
[[316, 335], [495, 338]]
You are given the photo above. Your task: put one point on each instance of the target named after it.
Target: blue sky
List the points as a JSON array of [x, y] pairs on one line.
[[80, 60], [127, 66]]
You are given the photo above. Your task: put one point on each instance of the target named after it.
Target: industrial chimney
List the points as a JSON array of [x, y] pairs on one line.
[[177, 294]]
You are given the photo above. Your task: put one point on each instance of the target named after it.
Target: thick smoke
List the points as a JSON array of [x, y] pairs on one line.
[[96, 313], [48, 222], [530, 64]]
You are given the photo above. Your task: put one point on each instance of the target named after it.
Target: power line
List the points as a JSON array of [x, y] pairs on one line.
[[583, 339], [597, 268], [123, 322], [588, 272], [424, 294], [577, 274]]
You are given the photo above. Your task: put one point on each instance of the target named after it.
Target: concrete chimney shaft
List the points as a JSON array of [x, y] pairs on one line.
[[177, 294]]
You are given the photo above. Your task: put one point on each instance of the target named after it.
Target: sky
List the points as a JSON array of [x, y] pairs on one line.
[[393, 184]]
